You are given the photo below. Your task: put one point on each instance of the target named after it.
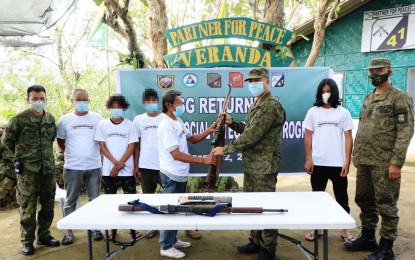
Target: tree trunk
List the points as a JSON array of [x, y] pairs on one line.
[[157, 24], [323, 19], [126, 30], [274, 14]]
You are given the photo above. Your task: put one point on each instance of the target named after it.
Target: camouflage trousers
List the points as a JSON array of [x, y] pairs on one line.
[[258, 182], [31, 188], [149, 180], [111, 184], [377, 194]]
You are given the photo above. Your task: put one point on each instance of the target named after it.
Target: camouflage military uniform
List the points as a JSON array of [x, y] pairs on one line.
[[260, 143], [385, 129], [31, 137]]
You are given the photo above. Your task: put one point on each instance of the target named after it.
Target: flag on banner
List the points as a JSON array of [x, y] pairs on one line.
[[223, 14], [99, 34]]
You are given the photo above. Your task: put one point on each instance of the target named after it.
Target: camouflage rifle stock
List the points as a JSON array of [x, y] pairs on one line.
[[203, 200]]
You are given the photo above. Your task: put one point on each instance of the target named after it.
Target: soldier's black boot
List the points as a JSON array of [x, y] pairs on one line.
[[365, 242], [266, 255], [383, 251], [250, 248]]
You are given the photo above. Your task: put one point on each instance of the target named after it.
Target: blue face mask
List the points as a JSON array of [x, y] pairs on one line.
[[151, 108], [116, 112], [256, 88], [179, 111], [81, 106]]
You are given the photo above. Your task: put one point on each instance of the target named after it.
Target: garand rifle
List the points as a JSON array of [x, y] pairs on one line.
[[218, 140], [208, 210]]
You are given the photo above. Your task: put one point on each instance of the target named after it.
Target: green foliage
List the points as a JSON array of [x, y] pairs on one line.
[[223, 184], [193, 184], [144, 2]]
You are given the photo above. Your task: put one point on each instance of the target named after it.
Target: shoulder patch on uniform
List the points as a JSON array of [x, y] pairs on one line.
[[401, 118]]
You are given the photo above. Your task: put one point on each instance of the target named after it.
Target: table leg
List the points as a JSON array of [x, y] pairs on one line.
[[107, 242], [326, 244], [316, 244], [89, 232]]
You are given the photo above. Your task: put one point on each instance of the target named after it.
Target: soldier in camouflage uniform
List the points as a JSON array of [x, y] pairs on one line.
[[260, 143], [30, 135], [385, 130]]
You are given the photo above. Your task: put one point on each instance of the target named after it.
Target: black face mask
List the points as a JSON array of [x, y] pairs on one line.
[[377, 79]]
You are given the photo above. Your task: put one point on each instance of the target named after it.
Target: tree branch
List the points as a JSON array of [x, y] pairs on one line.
[[42, 56], [332, 14]]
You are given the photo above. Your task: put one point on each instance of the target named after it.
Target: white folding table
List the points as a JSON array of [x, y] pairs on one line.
[[306, 210]]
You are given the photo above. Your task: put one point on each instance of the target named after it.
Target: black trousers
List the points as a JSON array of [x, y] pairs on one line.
[[320, 177]]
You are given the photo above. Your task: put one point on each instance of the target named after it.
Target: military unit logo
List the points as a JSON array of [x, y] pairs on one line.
[[277, 79], [236, 79], [165, 81], [401, 118], [190, 80], [214, 80]]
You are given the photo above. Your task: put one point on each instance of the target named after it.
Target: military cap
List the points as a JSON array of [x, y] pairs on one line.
[[258, 73], [379, 63]]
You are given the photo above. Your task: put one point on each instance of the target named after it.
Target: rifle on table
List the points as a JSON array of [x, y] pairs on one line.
[[198, 209], [218, 140]]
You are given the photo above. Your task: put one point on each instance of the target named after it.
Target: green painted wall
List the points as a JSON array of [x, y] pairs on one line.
[[341, 51]]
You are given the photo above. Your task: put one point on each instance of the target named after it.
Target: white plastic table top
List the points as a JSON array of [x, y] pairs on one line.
[[306, 210]]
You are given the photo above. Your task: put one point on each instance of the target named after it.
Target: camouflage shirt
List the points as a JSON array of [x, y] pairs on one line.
[[31, 138], [260, 139], [385, 128]]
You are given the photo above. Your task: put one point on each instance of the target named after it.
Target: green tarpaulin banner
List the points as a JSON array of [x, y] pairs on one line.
[[204, 91]]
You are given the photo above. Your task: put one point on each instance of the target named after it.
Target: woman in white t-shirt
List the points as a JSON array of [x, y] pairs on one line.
[[117, 138], [327, 153]]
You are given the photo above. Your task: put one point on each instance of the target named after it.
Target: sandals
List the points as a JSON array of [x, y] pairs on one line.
[[67, 239], [111, 235], [97, 235], [310, 236], [347, 239], [193, 234], [137, 234], [152, 235]]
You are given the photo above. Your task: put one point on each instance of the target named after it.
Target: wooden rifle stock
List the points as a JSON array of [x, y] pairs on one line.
[[199, 209], [218, 140]]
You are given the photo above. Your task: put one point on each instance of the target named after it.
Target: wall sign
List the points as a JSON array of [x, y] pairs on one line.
[[389, 29]]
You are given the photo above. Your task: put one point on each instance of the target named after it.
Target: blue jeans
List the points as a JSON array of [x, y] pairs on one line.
[[169, 237], [74, 179]]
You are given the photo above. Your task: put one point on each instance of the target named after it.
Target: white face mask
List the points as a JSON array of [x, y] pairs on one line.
[[38, 106], [326, 97]]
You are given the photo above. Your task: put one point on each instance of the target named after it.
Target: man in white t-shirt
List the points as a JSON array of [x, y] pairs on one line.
[[175, 161], [117, 138], [327, 153], [146, 156], [75, 137]]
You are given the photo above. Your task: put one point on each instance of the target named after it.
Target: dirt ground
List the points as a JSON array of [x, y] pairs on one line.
[[221, 244]]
